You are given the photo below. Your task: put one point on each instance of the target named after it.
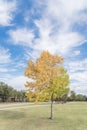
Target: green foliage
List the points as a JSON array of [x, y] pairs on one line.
[[7, 92], [76, 97], [81, 97], [59, 86]]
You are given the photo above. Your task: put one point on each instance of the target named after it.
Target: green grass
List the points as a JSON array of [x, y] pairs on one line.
[[71, 116]]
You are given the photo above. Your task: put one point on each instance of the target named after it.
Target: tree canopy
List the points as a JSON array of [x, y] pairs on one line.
[[7, 92], [49, 78]]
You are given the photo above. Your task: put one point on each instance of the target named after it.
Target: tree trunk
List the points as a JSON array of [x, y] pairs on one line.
[[51, 117]]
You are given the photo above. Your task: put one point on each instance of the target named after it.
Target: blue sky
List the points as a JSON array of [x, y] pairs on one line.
[[29, 27]]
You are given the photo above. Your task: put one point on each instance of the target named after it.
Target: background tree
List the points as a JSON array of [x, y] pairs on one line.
[[9, 94], [49, 79], [76, 97], [80, 97], [72, 96], [5, 91]]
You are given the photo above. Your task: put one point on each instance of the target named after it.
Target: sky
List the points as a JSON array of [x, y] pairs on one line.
[[27, 27]]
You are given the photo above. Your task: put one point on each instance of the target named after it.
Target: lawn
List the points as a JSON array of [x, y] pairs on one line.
[[69, 116]]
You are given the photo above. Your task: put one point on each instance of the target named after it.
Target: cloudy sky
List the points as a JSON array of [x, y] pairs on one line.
[[27, 27]]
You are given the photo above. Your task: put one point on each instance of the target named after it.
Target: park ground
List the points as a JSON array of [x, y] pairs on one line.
[[27, 116]]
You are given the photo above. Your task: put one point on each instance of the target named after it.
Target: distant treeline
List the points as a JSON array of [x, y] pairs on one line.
[[9, 94], [72, 97], [76, 97]]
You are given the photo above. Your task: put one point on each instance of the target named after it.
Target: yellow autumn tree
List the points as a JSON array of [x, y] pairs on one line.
[[49, 79]]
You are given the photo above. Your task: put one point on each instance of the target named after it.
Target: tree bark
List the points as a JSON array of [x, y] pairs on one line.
[[51, 117]]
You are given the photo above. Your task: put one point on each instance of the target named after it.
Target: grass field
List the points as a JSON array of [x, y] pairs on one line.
[[70, 116]]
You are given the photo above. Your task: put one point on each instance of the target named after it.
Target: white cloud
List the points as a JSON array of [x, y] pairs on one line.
[[3, 70], [22, 36], [56, 23], [4, 77], [6, 11], [60, 44], [6, 70], [17, 82], [55, 27], [78, 75], [5, 56], [76, 52], [79, 65], [79, 88], [66, 12], [33, 55], [79, 84]]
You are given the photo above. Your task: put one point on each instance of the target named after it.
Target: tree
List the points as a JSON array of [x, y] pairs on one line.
[[73, 96], [81, 97], [8, 93], [5, 91], [49, 79]]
